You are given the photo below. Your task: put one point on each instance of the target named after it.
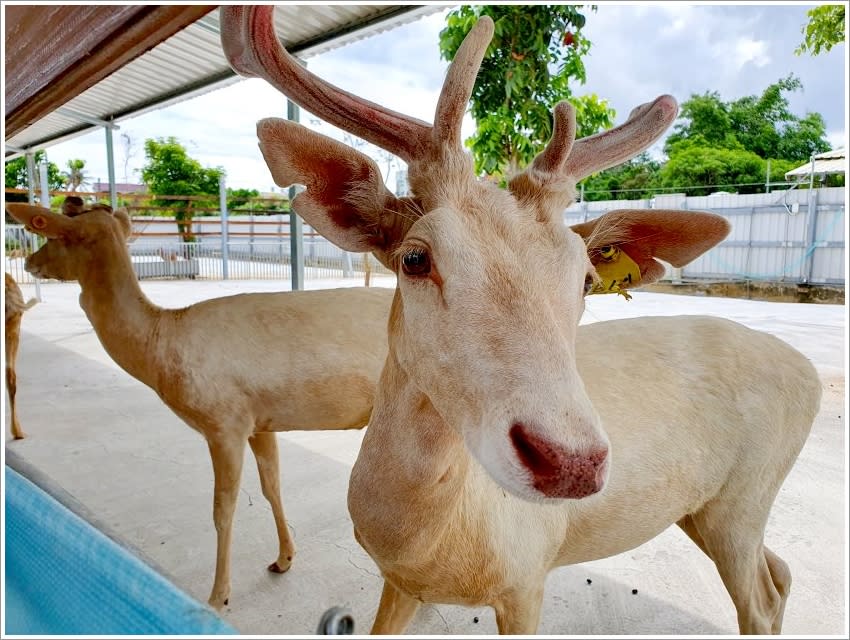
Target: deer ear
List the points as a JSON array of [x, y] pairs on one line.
[[39, 220], [677, 237], [345, 198]]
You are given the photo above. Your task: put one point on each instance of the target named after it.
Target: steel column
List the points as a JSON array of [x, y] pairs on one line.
[[110, 166], [296, 229], [222, 199]]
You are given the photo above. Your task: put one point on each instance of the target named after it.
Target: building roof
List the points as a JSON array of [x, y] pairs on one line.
[[120, 187], [184, 65], [827, 163]]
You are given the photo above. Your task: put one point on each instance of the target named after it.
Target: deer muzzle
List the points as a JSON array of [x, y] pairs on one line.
[[557, 472]]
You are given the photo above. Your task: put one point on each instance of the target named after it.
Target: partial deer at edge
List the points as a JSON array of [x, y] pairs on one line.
[[235, 369], [15, 308], [505, 439]]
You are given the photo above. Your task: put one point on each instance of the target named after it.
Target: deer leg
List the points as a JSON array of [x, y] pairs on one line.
[[781, 576], [264, 447], [518, 612], [12, 339], [227, 459], [395, 611], [757, 580], [11, 387]]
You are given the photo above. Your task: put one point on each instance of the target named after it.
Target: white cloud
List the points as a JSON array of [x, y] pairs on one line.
[[749, 50]]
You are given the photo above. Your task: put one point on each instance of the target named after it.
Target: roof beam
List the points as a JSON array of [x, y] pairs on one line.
[[55, 52], [82, 117]]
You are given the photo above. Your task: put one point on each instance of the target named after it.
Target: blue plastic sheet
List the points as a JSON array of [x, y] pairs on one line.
[[65, 577]]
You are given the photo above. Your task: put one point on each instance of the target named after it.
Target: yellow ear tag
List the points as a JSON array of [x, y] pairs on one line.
[[38, 222], [616, 271]]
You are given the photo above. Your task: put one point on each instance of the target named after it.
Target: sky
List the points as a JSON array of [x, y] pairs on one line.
[[639, 51]]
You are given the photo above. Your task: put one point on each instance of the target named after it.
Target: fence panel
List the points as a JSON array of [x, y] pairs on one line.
[[774, 236]]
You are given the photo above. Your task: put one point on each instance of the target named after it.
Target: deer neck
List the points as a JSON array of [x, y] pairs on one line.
[[125, 321], [411, 462]]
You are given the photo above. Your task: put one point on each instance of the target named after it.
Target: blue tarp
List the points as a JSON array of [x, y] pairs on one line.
[[65, 577]]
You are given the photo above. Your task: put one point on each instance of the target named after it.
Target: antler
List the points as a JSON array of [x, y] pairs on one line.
[[252, 48], [645, 124], [548, 183], [578, 159]]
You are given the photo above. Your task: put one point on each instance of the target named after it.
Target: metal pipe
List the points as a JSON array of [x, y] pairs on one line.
[[296, 229], [222, 199], [30, 178], [110, 166], [767, 178]]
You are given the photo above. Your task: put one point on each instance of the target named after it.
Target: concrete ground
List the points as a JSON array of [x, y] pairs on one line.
[[111, 443]]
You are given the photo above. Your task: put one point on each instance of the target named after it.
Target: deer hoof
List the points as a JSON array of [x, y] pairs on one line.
[[278, 567]]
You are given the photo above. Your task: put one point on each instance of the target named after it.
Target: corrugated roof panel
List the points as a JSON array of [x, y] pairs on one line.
[[192, 62], [828, 162]]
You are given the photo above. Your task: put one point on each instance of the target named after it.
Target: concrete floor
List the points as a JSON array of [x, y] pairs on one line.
[[111, 443]]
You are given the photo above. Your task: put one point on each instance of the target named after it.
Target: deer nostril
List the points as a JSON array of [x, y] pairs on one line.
[[533, 452], [556, 472]]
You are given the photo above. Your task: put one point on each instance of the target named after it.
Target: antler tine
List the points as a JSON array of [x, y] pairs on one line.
[[252, 49], [460, 79], [644, 126], [553, 157]]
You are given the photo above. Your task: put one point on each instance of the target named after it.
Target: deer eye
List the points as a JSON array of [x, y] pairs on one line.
[[416, 262]]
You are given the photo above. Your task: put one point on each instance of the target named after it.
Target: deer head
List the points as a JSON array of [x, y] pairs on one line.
[[73, 244], [491, 283]]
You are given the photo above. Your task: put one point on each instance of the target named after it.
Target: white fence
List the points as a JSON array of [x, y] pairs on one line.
[[795, 236]]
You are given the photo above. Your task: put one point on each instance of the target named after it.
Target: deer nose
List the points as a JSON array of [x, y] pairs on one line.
[[557, 472]]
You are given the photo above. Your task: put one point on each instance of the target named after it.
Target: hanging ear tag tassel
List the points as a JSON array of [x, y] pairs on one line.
[[617, 271]]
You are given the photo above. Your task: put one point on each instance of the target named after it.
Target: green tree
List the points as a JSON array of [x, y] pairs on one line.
[[713, 169], [16, 176], [824, 29], [535, 52], [633, 180], [169, 171], [761, 124], [75, 177], [240, 197]]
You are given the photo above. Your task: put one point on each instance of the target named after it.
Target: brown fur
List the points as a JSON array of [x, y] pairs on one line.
[[235, 369], [15, 307]]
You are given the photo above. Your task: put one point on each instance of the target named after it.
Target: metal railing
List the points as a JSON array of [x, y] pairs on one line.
[[245, 260], [788, 237]]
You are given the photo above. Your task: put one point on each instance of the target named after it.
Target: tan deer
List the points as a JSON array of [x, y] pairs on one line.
[[505, 439], [15, 307], [236, 369]]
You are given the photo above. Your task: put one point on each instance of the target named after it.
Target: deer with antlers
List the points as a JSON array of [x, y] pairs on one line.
[[507, 440]]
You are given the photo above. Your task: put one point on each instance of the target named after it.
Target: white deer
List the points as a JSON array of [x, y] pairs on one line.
[[236, 369], [506, 440]]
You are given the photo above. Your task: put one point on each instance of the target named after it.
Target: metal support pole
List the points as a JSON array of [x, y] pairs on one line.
[[296, 230], [812, 174], [31, 177], [347, 267], [767, 178], [222, 199], [110, 165], [811, 227], [44, 200]]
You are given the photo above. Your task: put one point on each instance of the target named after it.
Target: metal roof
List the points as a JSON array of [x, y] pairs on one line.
[[829, 162], [191, 63]]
